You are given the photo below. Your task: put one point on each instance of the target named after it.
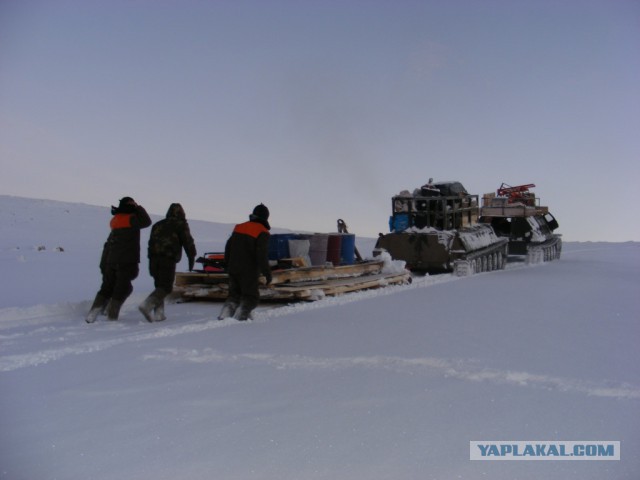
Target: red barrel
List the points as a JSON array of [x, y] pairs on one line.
[[334, 245]]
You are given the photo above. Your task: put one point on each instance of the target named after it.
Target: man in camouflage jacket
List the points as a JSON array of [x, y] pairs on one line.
[[167, 240], [120, 258]]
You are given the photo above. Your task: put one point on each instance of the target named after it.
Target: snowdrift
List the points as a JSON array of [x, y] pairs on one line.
[[387, 384]]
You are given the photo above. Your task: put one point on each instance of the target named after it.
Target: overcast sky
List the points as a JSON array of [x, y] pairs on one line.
[[323, 109]]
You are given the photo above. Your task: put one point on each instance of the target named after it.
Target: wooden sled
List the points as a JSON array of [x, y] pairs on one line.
[[305, 283]]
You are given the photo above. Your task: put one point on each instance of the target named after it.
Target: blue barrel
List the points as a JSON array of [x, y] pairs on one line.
[[279, 245], [348, 249]]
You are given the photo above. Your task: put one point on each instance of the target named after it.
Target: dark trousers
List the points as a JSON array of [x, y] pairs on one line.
[[163, 271], [116, 280], [243, 289]]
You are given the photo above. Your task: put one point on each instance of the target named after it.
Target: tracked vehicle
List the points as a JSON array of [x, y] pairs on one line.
[[516, 214], [435, 229]]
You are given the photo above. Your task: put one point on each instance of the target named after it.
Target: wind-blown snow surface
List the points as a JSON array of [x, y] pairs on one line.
[[386, 384]]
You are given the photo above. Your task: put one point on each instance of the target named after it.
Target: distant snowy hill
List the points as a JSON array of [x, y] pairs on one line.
[[386, 384]]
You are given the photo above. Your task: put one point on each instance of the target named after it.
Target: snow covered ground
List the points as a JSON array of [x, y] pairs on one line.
[[386, 384]]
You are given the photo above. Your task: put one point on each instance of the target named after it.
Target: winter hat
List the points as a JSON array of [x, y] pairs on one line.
[[126, 205], [176, 210], [126, 201], [262, 212]]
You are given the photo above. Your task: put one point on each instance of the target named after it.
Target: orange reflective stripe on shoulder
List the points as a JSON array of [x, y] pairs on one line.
[[253, 229], [121, 220]]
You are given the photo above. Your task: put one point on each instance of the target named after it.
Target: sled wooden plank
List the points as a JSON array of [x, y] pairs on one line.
[[337, 286], [189, 278], [299, 290], [338, 281], [304, 274], [212, 292], [220, 292], [373, 281], [287, 276]]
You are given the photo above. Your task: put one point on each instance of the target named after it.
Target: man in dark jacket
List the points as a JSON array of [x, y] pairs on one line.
[[246, 257], [167, 240], [120, 258]]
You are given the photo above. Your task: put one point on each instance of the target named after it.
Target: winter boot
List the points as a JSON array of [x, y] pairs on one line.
[[98, 306], [93, 314], [228, 310], [243, 313], [152, 302], [147, 307], [159, 313], [113, 312]]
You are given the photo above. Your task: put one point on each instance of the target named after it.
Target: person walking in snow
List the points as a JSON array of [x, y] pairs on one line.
[[120, 259], [246, 257], [167, 240]]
